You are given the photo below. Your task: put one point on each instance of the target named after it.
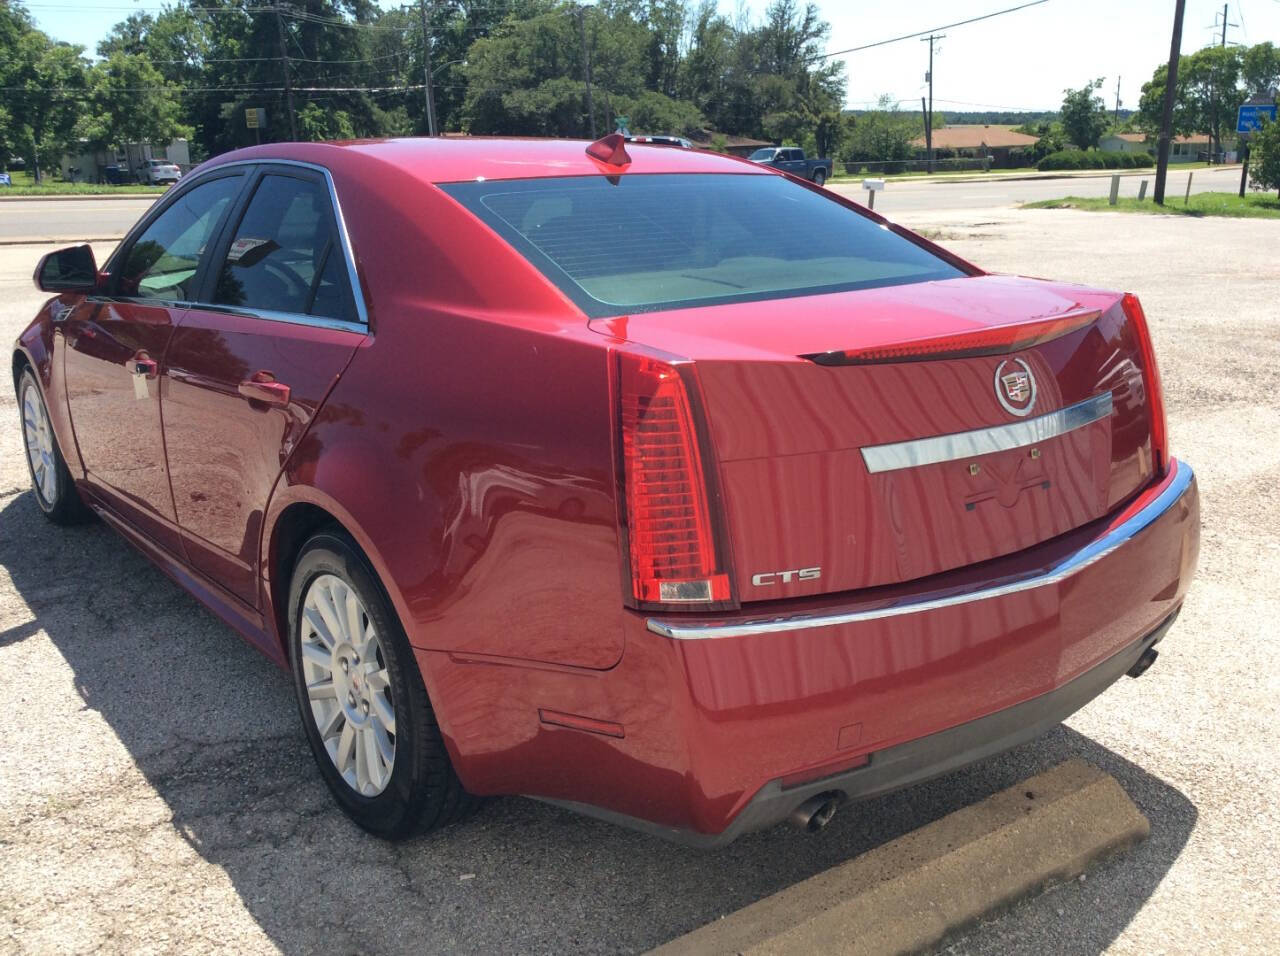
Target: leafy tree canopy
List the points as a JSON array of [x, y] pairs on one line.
[[1084, 115]]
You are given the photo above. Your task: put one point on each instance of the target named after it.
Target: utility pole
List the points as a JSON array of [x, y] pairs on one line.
[[586, 70], [928, 118], [1213, 90], [428, 91], [1170, 89], [924, 112], [288, 86], [1117, 120]]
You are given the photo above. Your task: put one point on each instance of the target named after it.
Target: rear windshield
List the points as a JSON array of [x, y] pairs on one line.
[[646, 242]]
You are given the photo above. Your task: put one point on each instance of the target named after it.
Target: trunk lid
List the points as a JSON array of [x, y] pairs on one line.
[[836, 477]]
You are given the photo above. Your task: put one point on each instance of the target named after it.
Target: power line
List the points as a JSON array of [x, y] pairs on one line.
[[945, 26]]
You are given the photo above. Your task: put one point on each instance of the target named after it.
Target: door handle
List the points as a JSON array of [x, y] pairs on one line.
[[263, 387]]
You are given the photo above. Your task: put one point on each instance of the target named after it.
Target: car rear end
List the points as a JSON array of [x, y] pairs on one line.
[[160, 172], [880, 514]]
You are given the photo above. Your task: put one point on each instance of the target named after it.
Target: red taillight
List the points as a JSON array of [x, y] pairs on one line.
[[669, 528], [999, 340], [1151, 378]]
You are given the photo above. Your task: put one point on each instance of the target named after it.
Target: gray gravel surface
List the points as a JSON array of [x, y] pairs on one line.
[[156, 794]]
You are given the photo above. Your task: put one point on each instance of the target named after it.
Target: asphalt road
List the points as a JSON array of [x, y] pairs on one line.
[[156, 793], [99, 218], [70, 220], [917, 196]]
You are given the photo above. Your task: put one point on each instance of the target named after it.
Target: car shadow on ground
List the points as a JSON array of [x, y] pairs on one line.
[[212, 726]]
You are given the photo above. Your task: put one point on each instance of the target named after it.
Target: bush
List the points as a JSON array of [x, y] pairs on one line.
[[1094, 159], [1019, 157], [1264, 157], [1062, 159]]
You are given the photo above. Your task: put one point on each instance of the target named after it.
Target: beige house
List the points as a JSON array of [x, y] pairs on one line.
[[1183, 149], [1126, 143], [979, 141]]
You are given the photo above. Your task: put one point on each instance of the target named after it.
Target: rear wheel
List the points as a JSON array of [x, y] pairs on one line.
[[819, 176], [364, 707], [51, 482]]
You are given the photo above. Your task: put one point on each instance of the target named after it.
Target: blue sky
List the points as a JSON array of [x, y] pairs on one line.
[[1022, 60]]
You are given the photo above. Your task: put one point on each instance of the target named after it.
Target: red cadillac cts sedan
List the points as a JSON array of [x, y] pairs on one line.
[[648, 482]]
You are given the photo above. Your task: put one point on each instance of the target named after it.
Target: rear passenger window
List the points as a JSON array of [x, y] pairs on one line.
[[284, 256]]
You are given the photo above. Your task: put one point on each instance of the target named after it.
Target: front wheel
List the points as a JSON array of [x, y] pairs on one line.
[[363, 703], [819, 176], [51, 482]]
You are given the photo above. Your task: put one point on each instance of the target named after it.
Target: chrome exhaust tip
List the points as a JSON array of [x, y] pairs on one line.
[[816, 812]]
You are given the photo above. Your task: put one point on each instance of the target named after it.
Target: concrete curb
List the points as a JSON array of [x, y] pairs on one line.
[[910, 893], [45, 241], [73, 197]]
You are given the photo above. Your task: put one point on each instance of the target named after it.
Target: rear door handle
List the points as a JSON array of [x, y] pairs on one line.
[[263, 387]]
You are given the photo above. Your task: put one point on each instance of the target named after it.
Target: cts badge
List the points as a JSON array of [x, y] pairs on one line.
[[765, 578]]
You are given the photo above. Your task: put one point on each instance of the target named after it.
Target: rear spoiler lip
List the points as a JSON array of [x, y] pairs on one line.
[[1038, 331]]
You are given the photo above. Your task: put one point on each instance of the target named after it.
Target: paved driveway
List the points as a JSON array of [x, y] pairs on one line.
[[156, 793]]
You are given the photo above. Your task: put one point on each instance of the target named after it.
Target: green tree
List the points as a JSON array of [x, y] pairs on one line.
[[1207, 96], [528, 78], [316, 123], [1264, 157], [1084, 114], [1260, 69], [47, 92], [883, 134], [1052, 137], [14, 24], [132, 103], [650, 112], [1211, 85]]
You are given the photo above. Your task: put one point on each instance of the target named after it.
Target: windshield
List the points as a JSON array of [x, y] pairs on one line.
[[645, 242], [762, 155]]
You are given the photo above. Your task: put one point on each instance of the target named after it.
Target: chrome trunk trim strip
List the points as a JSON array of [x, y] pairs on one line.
[[1175, 487], [984, 441]]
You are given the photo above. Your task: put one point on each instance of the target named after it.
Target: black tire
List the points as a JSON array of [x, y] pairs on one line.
[[63, 505], [423, 792], [819, 177]]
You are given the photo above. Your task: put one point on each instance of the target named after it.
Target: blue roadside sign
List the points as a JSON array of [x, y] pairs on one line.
[[1249, 119]]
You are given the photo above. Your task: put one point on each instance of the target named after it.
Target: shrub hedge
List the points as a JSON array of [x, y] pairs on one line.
[[1094, 159]]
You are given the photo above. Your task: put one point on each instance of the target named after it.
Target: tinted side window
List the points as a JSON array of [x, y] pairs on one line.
[[284, 256], [163, 261]]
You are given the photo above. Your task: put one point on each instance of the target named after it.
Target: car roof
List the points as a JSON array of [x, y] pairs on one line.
[[465, 159]]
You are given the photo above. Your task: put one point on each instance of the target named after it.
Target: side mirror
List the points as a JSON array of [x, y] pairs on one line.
[[68, 270]]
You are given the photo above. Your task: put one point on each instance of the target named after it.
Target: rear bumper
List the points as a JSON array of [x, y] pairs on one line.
[[915, 761], [694, 732]]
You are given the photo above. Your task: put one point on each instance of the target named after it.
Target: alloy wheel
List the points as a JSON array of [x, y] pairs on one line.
[[38, 436], [348, 685]]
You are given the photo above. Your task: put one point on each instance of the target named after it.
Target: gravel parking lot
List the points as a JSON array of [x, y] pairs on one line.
[[156, 793]]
